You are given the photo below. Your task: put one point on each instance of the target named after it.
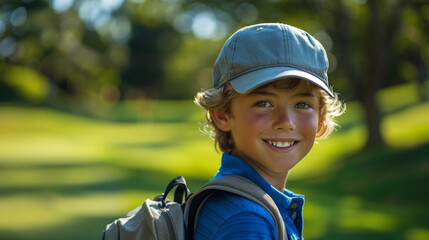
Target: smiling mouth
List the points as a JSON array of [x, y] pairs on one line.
[[280, 144]]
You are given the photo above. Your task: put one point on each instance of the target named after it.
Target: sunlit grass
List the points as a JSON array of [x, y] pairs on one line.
[[350, 213], [57, 176], [400, 96], [407, 128], [417, 234], [30, 212], [354, 213]]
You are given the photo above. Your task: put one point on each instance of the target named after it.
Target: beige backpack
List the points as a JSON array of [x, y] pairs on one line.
[[161, 219]]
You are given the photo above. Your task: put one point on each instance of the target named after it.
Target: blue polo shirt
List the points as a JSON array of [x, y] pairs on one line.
[[227, 216]]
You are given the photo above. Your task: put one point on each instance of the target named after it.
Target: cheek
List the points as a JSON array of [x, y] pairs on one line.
[[248, 126], [310, 124]]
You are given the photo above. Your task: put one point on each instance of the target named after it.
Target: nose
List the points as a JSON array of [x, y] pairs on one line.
[[284, 120]]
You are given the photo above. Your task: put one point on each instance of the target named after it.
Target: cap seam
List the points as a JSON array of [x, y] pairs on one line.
[[284, 39], [286, 44], [234, 51]]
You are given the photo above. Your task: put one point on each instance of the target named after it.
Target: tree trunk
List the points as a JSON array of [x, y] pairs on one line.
[[376, 75], [367, 81], [372, 120]]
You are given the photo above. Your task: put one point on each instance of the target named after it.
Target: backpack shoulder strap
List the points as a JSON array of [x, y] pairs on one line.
[[237, 185]]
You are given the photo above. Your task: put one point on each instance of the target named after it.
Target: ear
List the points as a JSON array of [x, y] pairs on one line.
[[221, 119]]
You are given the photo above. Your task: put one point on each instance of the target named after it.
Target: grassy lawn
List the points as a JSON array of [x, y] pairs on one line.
[[65, 176]]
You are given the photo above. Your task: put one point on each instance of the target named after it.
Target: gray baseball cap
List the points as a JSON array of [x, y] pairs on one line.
[[263, 53]]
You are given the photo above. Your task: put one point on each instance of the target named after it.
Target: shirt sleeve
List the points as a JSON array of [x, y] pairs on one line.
[[227, 216]]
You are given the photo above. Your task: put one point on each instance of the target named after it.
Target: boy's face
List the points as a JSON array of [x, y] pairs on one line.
[[273, 129]]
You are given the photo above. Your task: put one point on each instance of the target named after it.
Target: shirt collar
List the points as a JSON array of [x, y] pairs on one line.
[[232, 165]]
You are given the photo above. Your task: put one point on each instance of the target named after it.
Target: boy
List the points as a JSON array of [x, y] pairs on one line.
[[270, 102]]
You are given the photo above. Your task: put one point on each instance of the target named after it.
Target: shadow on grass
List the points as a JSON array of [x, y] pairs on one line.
[[146, 145], [392, 180], [384, 184], [382, 174], [155, 181], [132, 180], [82, 228]]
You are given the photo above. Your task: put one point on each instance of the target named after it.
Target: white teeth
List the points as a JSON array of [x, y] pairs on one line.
[[280, 144]]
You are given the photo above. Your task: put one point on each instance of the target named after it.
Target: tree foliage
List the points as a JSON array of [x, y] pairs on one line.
[[100, 52]]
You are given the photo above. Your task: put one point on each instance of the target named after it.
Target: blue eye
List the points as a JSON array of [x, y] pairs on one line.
[[263, 104], [303, 105]]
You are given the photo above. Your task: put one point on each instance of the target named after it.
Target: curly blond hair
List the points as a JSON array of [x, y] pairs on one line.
[[221, 99]]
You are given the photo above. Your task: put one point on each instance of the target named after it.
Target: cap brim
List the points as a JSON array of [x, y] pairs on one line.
[[252, 80]]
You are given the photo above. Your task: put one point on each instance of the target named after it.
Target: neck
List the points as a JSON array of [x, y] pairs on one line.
[[278, 181]]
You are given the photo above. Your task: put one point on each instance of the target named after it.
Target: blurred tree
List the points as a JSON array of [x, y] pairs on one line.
[[75, 62], [145, 69], [367, 38], [103, 51]]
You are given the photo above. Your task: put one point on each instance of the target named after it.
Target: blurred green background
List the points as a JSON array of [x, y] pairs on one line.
[[96, 111]]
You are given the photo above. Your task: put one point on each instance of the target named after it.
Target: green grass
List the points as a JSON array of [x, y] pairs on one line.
[[65, 176]]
